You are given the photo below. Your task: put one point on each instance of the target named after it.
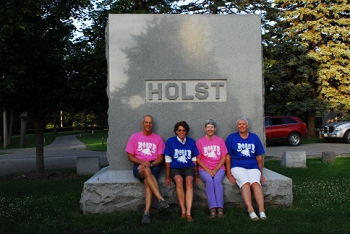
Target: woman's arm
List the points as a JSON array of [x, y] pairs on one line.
[[259, 159], [228, 169]]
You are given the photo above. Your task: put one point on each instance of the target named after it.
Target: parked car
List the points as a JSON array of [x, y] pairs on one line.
[[282, 129], [337, 130]]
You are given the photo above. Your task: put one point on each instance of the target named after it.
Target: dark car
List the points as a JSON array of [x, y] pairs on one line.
[[281, 129]]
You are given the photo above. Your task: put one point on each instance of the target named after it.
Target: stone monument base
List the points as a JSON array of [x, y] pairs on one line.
[[110, 191]]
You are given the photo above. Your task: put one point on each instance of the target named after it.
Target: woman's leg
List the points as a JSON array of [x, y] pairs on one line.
[[189, 194], [209, 188], [247, 197], [259, 196], [219, 188], [180, 192]]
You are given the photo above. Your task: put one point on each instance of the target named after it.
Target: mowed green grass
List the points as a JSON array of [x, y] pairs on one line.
[[321, 204]]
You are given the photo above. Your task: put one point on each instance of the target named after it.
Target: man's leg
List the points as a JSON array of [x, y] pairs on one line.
[[151, 181], [148, 197]]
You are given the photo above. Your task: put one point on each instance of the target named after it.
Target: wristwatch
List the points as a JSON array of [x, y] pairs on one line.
[[151, 164]]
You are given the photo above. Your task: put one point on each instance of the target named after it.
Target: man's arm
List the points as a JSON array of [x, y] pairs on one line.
[[159, 160], [135, 160]]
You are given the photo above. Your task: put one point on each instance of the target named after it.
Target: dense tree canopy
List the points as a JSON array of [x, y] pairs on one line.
[[34, 43], [308, 58], [306, 54]]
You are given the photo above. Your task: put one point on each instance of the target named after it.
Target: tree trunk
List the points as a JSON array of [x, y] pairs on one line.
[[311, 123], [54, 124], [9, 138], [39, 125], [4, 129], [22, 139]]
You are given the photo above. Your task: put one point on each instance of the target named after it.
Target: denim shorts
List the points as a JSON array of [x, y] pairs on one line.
[[155, 171]]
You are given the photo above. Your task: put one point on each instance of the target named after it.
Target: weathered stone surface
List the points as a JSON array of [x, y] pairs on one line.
[[182, 50], [111, 191], [294, 159], [88, 165], [328, 157]]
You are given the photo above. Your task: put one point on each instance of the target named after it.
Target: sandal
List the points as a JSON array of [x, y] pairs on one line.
[[189, 218], [262, 215], [212, 213], [253, 216], [220, 212]]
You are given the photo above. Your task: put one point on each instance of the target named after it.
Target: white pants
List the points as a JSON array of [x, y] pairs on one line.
[[243, 175]]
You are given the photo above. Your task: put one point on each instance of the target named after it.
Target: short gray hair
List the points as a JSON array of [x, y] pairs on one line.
[[242, 118], [211, 122]]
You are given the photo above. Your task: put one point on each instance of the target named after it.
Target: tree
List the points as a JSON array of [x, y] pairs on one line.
[[309, 58], [34, 42]]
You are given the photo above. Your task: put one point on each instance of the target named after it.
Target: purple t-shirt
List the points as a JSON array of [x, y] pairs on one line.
[[145, 148], [211, 151]]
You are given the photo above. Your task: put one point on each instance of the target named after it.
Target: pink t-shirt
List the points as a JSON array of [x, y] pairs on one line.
[[211, 151], [145, 148]]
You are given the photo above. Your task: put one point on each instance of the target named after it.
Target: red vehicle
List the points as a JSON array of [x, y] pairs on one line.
[[281, 129]]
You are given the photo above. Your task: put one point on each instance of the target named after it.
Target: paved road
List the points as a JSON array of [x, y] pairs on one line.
[[62, 153], [311, 149]]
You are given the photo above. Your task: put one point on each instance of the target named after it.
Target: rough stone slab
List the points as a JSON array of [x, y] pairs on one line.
[[111, 191], [328, 157], [88, 165], [294, 159]]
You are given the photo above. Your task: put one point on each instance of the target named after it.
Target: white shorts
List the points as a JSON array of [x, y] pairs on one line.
[[243, 175]]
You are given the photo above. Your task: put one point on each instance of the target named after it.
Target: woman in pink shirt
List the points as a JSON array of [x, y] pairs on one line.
[[211, 159]]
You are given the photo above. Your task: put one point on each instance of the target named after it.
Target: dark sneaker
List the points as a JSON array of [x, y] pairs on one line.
[[146, 218], [162, 205]]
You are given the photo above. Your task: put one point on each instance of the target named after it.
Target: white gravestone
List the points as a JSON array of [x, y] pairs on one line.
[[294, 159], [178, 67]]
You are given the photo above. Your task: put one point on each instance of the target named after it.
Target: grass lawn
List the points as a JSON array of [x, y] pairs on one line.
[[321, 205]]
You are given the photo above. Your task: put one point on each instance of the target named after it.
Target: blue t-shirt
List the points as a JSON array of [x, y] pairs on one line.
[[243, 152], [181, 154]]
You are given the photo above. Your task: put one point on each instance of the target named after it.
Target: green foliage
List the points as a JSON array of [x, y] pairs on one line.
[[307, 57], [321, 204]]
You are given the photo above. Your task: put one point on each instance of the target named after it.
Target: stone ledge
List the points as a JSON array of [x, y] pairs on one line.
[[88, 165], [111, 191]]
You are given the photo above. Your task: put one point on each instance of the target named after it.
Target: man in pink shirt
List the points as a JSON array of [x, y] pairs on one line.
[[145, 150]]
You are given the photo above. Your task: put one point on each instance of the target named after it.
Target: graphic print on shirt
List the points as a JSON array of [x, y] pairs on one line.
[[246, 149], [212, 151], [146, 148], [181, 155]]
